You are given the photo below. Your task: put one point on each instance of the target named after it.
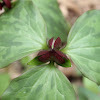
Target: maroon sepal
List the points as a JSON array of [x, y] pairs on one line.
[[57, 43], [7, 3]]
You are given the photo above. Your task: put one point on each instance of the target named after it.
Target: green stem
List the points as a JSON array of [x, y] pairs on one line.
[[52, 63]]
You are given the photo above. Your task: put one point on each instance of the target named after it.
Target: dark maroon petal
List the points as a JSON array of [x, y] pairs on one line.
[[0, 6], [7, 3], [61, 54], [58, 59], [50, 43], [57, 43], [45, 57], [42, 52]]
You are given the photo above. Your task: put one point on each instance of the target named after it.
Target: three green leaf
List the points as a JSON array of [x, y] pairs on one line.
[[23, 31]]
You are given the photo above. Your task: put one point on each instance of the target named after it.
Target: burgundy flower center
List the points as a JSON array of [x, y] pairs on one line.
[[53, 54]]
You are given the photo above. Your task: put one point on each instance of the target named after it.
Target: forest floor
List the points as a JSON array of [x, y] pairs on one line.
[[72, 9]]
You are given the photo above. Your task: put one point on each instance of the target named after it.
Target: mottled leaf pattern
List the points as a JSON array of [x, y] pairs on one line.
[[40, 83], [85, 94], [22, 32], [83, 45], [56, 24]]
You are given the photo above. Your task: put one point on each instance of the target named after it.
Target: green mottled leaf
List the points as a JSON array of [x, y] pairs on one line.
[[25, 60], [40, 83], [56, 24], [83, 45], [4, 82], [22, 32], [85, 94], [90, 85]]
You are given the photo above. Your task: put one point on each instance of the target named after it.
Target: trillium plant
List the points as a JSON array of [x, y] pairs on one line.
[[52, 54], [30, 26]]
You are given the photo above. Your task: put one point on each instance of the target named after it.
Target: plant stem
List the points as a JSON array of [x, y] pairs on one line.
[[52, 63]]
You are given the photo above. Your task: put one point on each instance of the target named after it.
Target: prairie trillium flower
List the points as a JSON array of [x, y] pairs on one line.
[[53, 53]]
